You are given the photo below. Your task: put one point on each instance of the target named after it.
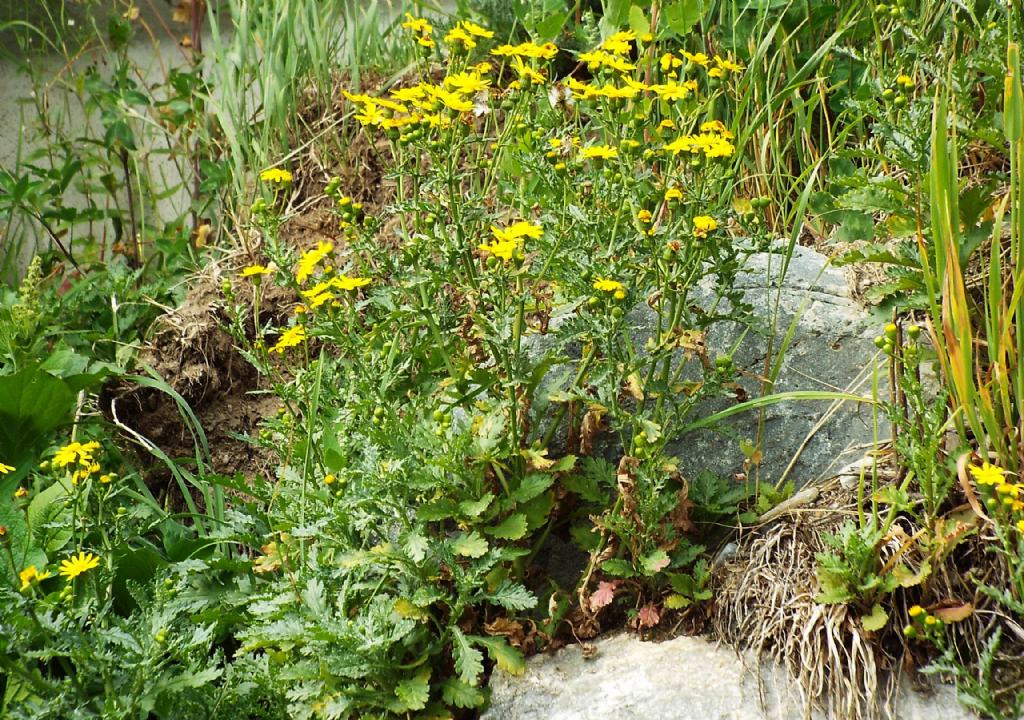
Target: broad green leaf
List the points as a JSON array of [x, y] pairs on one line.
[[511, 528], [414, 693], [475, 508], [681, 15], [638, 21], [531, 486], [876, 619], [470, 545]]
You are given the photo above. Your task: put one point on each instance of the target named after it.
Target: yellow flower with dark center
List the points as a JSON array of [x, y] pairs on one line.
[[703, 224], [6, 469], [31, 575], [78, 564], [290, 338], [600, 152], [278, 176], [987, 474]]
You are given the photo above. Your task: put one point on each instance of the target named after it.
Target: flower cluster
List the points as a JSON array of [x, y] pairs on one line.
[[1002, 497], [79, 455]]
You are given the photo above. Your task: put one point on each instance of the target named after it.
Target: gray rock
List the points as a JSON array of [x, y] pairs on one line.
[[831, 349], [687, 678]]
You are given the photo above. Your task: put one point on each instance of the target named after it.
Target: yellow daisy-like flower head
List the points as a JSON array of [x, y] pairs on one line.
[[78, 564], [697, 58], [343, 282], [727, 65], [30, 575], [459, 35], [503, 249], [673, 194], [600, 152], [517, 231], [310, 259], [76, 452], [987, 474], [6, 469], [609, 286], [476, 30], [278, 176], [290, 338], [417, 25], [703, 224]]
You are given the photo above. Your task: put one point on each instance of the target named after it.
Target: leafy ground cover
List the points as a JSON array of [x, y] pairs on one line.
[[306, 445]]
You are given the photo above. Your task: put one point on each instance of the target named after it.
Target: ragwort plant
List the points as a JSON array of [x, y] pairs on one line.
[[499, 353]]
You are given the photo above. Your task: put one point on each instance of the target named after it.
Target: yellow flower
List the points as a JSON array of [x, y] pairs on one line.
[[669, 63], [426, 41], [673, 194], [417, 25], [905, 81], [527, 50], [370, 115], [290, 338], [476, 30], [644, 216], [343, 282], [5, 469], [459, 35], [78, 564], [500, 248], [703, 224], [256, 270], [603, 152], [716, 126], [675, 91], [21, 492], [1020, 526], [453, 101], [915, 610], [517, 231], [597, 59], [467, 83], [607, 285], [276, 175], [727, 65], [987, 474], [76, 452], [697, 58], [106, 478], [619, 43], [527, 73], [310, 259], [30, 575]]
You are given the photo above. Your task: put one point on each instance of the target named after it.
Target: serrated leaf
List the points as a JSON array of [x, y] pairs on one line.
[[512, 596], [414, 693], [655, 562], [504, 655], [511, 528], [457, 693], [677, 602], [470, 545], [469, 662], [618, 568], [531, 486], [475, 508], [313, 596], [416, 546]]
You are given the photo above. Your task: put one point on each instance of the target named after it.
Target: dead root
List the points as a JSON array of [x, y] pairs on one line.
[[765, 604]]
